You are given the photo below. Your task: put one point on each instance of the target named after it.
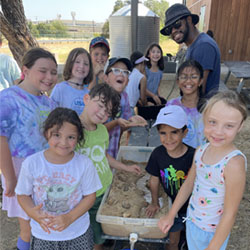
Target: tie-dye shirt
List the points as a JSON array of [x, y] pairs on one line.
[[195, 136], [207, 201], [21, 120], [114, 134]]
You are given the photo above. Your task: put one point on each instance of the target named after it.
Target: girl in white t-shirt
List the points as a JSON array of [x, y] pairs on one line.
[[57, 186], [216, 180]]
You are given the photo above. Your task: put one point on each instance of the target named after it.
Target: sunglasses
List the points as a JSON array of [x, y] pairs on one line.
[[118, 71], [175, 25]]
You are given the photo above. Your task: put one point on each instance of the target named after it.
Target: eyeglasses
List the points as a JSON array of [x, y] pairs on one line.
[[118, 71], [184, 78], [175, 25]]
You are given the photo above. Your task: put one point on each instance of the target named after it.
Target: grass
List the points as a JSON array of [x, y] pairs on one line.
[[62, 49]]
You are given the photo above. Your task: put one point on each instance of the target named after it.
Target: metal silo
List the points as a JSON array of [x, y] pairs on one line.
[[120, 30]]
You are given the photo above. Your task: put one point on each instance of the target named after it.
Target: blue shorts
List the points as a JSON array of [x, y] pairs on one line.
[[199, 239]]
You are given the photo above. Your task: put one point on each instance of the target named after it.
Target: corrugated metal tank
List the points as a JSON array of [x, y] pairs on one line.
[[120, 30]]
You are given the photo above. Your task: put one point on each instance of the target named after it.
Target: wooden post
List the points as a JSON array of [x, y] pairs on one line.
[[134, 24]]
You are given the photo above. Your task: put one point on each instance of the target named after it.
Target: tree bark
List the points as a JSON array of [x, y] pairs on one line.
[[13, 26]]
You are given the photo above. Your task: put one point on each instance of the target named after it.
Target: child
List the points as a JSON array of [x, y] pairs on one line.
[[77, 73], [154, 72], [25, 109], [137, 84], [57, 186], [189, 80], [169, 165], [117, 71], [99, 52], [216, 179], [101, 103]]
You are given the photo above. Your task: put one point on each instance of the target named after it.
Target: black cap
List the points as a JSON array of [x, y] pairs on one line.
[[174, 13], [114, 60]]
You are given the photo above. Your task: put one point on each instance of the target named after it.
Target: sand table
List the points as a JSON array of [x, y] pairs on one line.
[[130, 195]]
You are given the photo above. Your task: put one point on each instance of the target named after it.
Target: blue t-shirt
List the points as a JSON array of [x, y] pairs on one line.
[[206, 51], [153, 80], [68, 97]]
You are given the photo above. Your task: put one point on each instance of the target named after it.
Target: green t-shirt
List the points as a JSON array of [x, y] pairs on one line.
[[95, 145]]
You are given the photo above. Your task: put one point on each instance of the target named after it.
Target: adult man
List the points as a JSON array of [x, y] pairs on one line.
[[9, 70], [180, 25]]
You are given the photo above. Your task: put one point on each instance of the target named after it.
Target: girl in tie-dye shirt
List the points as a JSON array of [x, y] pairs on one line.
[[23, 109], [218, 168]]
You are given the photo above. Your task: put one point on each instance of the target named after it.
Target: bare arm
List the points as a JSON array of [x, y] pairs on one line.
[[143, 88], [120, 121], [34, 212], [155, 97], [7, 167], [119, 165], [167, 221], [235, 179], [204, 80], [154, 189]]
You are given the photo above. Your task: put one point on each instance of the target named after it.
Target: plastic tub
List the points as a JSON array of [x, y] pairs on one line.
[[123, 227]]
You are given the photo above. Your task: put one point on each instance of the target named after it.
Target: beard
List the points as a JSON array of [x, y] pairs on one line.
[[185, 33]]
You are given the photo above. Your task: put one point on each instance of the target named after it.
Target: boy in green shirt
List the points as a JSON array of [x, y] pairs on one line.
[[101, 103]]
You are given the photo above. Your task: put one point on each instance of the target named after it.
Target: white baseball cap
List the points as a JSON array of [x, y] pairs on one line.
[[173, 116]]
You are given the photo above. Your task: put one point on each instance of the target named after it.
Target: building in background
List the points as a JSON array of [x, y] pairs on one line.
[[229, 21]]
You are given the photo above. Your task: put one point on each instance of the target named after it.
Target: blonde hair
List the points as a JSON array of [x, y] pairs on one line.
[[230, 98]]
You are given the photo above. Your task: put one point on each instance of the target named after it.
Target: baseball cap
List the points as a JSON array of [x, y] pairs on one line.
[[173, 116], [99, 40], [174, 13], [114, 60]]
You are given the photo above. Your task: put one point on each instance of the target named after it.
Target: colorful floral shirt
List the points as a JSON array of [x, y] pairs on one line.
[[207, 200], [21, 120]]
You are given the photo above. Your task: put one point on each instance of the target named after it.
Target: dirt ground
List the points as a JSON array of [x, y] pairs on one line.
[[240, 235]]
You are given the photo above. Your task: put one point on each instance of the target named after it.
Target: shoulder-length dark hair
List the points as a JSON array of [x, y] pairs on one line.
[[160, 62]]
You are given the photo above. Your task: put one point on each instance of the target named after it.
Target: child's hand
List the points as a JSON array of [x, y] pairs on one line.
[[98, 68], [157, 99], [41, 217], [123, 123], [10, 187], [60, 222], [152, 209], [137, 121], [134, 169], [165, 223]]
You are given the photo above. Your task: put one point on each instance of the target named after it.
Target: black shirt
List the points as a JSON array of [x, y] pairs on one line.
[[172, 172]]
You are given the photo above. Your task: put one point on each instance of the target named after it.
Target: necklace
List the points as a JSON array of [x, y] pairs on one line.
[[76, 83]]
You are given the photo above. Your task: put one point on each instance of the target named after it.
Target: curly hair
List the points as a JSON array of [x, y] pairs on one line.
[[107, 96]]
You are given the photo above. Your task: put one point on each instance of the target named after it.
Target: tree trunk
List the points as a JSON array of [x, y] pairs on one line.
[[13, 26]]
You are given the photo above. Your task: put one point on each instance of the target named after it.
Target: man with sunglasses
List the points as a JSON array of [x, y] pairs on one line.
[[180, 26]]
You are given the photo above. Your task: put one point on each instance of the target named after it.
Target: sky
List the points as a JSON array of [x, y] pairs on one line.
[[87, 10]]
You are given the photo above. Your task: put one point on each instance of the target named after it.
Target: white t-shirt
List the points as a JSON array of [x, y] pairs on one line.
[[132, 88], [59, 187]]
